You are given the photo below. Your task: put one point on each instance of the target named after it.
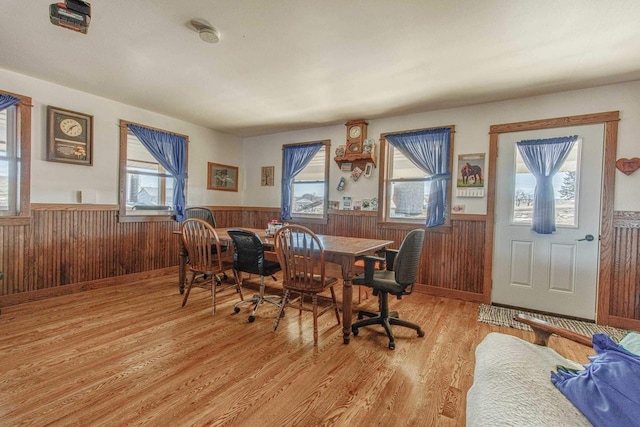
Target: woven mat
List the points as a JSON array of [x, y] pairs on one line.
[[504, 317]]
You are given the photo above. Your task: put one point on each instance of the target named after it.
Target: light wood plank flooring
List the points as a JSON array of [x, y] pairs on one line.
[[130, 355]]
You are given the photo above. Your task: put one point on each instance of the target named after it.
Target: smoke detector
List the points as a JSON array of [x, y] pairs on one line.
[[206, 32]]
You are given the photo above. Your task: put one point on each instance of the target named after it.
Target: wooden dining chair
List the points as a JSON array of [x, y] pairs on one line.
[[301, 257], [198, 237]]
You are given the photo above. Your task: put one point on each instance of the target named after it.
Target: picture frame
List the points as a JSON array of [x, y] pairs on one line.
[[222, 177], [368, 170], [266, 176], [345, 167], [69, 136], [471, 169]]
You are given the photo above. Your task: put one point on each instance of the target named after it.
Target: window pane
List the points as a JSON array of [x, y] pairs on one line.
[[564, 185], [309, 187], [4, 164], [308, 198], [409, 199], [403, 167], [149, 187]]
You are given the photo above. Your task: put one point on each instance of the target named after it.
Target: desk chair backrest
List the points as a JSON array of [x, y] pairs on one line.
[[249, 251], [301, 256], [198, 237], [201, 213], [406, 262]]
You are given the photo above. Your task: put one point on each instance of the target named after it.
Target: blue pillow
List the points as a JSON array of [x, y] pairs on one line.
[[607, 391]]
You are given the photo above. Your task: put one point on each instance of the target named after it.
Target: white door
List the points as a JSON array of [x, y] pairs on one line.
[[555, 273]]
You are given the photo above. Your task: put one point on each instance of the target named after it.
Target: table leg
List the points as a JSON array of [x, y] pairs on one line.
[[347, 275]]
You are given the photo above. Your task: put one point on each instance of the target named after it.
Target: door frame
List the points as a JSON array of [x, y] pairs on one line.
[[605, 275]]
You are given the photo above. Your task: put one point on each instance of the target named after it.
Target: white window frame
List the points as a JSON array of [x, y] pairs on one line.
[[19, 159]]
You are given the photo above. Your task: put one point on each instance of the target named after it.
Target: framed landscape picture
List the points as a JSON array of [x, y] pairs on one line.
[[69, 137], [222, 177]]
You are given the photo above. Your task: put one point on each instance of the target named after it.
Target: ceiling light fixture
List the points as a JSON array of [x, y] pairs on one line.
[[206, 32]]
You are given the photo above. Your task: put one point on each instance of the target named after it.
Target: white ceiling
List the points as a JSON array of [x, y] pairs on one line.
[[292, 64]]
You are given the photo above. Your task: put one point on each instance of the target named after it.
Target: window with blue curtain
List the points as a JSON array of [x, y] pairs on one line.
[[14, 140], [418, 176], [543, 158], [154, 165], [304, 180]]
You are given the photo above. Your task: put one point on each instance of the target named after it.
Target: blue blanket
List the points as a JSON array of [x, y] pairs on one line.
[[607, 391]]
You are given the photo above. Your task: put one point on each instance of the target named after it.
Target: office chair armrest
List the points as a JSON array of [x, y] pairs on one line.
[[390, 255], [369, 265]]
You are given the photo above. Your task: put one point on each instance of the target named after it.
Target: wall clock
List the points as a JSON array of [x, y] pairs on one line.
[[356, 134], [69, 136]]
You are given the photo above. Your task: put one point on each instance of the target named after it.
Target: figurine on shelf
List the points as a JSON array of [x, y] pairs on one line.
[[368, 146], [340, 151]]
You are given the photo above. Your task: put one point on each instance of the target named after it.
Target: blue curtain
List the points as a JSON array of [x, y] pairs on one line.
[[544, 157], [7, 101], [294, 160], [429, 151], [170, 151]]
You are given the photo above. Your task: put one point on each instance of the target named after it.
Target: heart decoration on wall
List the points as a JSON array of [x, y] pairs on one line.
[[628, 166]]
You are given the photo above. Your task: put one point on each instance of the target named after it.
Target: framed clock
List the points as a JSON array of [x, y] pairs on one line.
[[69, 136], [356, 134]]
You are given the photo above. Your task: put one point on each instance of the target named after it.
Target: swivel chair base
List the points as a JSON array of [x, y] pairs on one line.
[[257, 300], [386, 319]]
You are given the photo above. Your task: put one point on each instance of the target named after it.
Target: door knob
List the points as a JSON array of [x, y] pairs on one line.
[[588, 238]]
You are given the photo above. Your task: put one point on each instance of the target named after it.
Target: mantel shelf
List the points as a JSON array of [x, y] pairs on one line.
[[359, 160]]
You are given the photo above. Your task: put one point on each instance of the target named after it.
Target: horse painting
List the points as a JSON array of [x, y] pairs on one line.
[[471, 171]]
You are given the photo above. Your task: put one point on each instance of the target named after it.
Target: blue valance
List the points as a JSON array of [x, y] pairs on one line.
[[429, 150], [7, 101], [170, 150]]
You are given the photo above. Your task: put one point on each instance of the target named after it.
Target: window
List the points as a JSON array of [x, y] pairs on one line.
[[15, 144], [410, 193], [146, 187], [564, 185], [308, 193]]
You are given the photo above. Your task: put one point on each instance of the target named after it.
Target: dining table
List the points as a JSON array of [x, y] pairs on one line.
[[339, 250]]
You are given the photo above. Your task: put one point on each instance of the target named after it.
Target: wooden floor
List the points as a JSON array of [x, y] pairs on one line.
[[130, 355]]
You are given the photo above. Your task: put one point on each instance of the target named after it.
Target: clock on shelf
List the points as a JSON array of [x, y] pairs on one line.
[[356, 134]]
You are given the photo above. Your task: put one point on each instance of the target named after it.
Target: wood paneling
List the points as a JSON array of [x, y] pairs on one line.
[[624, 299], [69, 247]]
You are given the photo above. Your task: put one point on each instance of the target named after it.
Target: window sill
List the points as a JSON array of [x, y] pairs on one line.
[[146, 218], [446, 228]]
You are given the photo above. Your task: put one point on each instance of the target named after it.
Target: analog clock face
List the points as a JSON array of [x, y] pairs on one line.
[[354, 132], [71, 127]]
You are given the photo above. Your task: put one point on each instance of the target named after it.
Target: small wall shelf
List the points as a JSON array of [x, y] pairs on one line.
[[359, 160]]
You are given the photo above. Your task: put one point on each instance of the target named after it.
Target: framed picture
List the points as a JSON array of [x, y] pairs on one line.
[[470, 170], [345, 167], [266, 176], [69, 137], [222, 177], [368, 170]]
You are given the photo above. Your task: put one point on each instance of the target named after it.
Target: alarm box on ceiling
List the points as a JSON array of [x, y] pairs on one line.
[[72, 14]]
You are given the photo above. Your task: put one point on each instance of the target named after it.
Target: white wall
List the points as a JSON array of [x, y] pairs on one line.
[[53, 182], [472, 136]]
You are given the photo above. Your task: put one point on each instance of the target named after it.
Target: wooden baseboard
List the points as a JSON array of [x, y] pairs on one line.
[[449, 293], [9, 300], [624, 323]]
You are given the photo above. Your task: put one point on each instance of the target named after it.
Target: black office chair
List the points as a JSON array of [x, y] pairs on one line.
[[249, 258], [398, 279]]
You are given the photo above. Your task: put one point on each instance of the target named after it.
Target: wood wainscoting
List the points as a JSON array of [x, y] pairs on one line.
[[71, 247]]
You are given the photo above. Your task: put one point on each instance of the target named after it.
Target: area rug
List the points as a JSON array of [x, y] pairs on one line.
[[502, 316]]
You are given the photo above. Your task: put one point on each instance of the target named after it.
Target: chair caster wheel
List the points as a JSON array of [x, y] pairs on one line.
[[420, 333], [224, 276], [360, 316], [236, 309], [392, 345], [251, 319], [355, 331]]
